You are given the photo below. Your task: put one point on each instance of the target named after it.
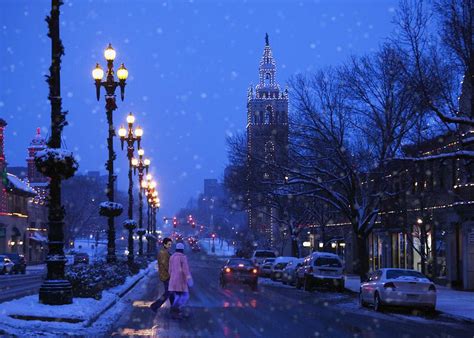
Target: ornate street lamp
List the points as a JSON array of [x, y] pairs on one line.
[[110, 209], [141, 165], [131, 137]]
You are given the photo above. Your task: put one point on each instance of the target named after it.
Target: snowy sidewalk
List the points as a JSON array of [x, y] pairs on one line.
[[26, 315], [458, 304]]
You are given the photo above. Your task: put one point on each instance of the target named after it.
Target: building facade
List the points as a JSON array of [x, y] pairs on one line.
[[267, 141], [23, 212]]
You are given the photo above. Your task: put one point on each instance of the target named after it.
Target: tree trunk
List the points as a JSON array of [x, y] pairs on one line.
[[362, 261], [295, 252]]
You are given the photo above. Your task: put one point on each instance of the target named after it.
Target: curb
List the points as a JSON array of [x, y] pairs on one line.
[[455, 317], [119, 296]]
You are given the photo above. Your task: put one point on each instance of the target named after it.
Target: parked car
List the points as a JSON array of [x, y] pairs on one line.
[[266, 267], [398, 287], [259, 256], [6, 265], [289, 272], [320, 269], [239, 271], [19, 261], [278, 265], [81, 257]]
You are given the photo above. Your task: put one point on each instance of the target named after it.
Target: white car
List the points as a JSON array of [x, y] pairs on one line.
[[289, 272], [319, 269], [6, 265], [266, 267], [278, 265], [398, 287], [259, 256]]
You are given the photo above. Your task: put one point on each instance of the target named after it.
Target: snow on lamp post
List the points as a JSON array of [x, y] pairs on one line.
[[111, 209], [141, 165], [131, 137]]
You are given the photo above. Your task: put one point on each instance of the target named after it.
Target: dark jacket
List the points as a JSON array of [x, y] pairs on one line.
[[163, 264]]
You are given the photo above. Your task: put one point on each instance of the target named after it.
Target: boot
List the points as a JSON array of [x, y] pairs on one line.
[[175, 313]]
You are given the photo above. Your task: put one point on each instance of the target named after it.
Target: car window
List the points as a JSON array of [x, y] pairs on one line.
[[393, 274], [328, 262], [280, 266], [265, 254], [246, 262]]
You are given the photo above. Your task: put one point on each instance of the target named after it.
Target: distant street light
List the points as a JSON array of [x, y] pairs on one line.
[[141, 165], [110, 105], [131, 137]]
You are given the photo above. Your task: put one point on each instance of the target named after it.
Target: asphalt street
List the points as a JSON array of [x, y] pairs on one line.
[[275, 310], [19, 285]]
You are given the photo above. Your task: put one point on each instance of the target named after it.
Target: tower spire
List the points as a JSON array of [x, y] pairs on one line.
[[267, 42]]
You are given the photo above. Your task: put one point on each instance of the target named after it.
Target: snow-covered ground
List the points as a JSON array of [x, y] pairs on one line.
[[83, 316], [222, 248], [95, 252], [454, 303]]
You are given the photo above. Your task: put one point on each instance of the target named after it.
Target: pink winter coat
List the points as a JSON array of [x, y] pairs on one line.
[[179, 273]]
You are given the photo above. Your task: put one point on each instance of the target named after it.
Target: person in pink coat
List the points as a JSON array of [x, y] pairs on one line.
[[180, 280]]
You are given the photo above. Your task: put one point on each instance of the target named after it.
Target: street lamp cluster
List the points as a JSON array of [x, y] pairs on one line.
[[148, 186], [132, 137]]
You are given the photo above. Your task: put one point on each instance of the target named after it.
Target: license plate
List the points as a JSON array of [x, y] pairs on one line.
[[412, 296]]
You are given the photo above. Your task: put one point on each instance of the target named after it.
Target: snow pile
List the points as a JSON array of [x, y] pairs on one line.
[[221, 248], [352, 283]]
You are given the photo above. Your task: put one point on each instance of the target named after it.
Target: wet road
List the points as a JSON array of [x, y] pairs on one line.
[[273, 311], [19, 285]]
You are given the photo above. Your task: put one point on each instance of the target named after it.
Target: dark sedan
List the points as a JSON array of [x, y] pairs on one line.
[[19, 261], [239, 271]]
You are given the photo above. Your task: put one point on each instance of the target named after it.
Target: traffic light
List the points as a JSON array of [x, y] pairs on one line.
[[175, 222], [193, 224]]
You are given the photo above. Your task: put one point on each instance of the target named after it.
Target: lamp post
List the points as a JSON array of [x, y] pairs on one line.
[[141, 165], [110, 105], [130, 136], [153, 207], [146, 185], [55, 289]]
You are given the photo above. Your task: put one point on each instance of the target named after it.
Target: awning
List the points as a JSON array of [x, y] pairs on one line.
[[36, 236], [19, 186]]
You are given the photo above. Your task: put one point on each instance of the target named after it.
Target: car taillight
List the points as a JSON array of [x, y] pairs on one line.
[[389, 285], [432, 288], [310, 270], [228, 270], [254, 271]]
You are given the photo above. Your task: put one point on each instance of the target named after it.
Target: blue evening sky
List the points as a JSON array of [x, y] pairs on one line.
[[190, 64]]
